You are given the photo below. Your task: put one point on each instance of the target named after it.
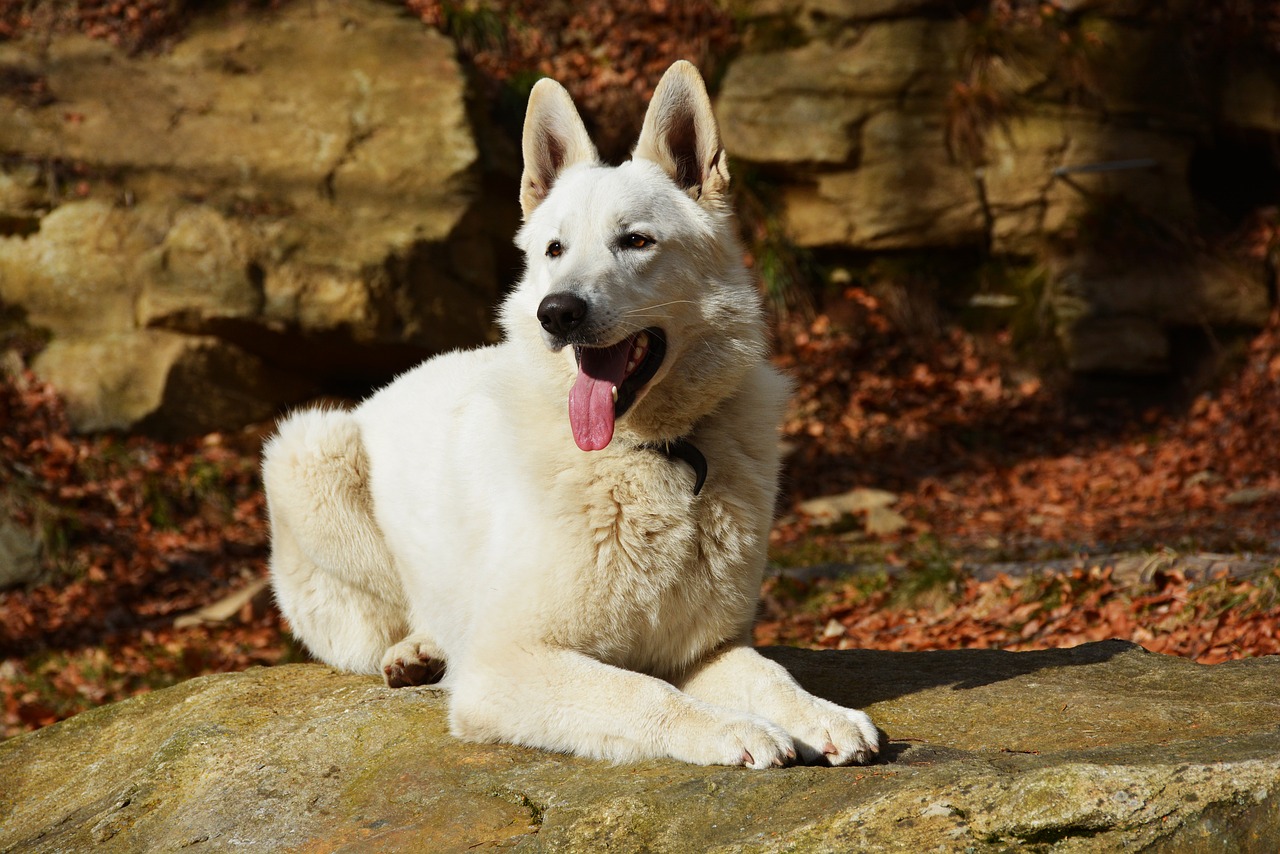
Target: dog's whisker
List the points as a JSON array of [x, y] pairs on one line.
[[645, 308], [652, 311]]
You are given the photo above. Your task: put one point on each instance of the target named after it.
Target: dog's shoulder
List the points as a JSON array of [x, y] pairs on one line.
[[750, 417], [764, 391]]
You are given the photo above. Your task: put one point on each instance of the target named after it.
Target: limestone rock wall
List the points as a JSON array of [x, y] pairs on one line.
[[1071, 140], [208, 232]]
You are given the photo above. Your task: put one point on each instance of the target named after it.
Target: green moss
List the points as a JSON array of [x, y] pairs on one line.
[[475, 25], [932, 575]]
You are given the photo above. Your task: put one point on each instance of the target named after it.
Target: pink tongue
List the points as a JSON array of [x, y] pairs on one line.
[[600, 370]]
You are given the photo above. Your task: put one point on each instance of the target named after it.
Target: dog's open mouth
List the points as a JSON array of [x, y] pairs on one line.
[[609, 381]]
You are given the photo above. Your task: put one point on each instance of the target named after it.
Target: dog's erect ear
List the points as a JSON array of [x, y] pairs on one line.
[[680, 134], [554, 140]]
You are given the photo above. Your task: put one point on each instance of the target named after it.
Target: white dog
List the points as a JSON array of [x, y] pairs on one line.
[[585, 579]]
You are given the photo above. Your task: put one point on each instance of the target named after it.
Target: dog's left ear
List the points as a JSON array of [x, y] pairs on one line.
[[680, 134]]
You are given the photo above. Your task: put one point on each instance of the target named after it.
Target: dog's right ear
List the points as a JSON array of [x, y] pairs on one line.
[[554, 139]]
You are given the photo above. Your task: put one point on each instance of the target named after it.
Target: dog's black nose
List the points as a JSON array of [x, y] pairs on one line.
[[561, 313]]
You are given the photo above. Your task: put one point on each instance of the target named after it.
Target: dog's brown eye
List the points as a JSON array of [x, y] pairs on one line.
[[554, 249], [637, 241]]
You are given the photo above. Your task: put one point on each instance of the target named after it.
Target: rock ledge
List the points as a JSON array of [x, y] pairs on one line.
[[1100, 747]]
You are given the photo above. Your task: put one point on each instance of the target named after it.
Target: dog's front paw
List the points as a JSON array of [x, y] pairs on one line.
[[829, 734], [413, 661], [752, 742]]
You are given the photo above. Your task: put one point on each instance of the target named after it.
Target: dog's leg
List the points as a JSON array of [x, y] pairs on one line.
[[333, 578], [566, 701], [738, 677]]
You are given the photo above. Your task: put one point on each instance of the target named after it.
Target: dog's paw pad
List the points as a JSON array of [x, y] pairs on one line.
[[402, 674], [407, 664]]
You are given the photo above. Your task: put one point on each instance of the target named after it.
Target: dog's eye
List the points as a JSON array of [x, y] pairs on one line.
[[554, 249], [637, 241]]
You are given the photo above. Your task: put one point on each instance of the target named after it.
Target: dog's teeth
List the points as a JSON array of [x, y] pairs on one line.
[[639, 349], [615, 394]]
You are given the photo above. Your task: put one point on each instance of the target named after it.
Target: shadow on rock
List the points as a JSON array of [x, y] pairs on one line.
[[858, 678]]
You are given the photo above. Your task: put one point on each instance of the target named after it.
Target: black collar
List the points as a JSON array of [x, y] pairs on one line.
[[683, 449]]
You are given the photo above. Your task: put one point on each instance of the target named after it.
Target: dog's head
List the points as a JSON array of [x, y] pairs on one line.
[[634, 272]]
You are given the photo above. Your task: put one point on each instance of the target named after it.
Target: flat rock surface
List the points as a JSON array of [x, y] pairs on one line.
[[1100, 747]]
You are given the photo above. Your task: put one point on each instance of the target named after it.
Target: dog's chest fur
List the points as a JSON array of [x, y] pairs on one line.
[[665, 575]]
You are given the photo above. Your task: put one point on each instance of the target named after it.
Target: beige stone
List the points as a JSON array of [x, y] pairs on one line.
[[308, 170], [320, 111], [21, 545], [806, 104], [1103, 747], [201, 269], [1125, 300], [170, 383], [1116, 344], [905, 193], [829, 509], [79, 273]]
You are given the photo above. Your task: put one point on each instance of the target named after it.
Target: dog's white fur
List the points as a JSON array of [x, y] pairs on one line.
[[585, 602]]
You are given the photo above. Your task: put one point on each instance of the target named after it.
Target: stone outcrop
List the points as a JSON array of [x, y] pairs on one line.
[[1103, 747], [906, 126], [198, 229], [20, 547]]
